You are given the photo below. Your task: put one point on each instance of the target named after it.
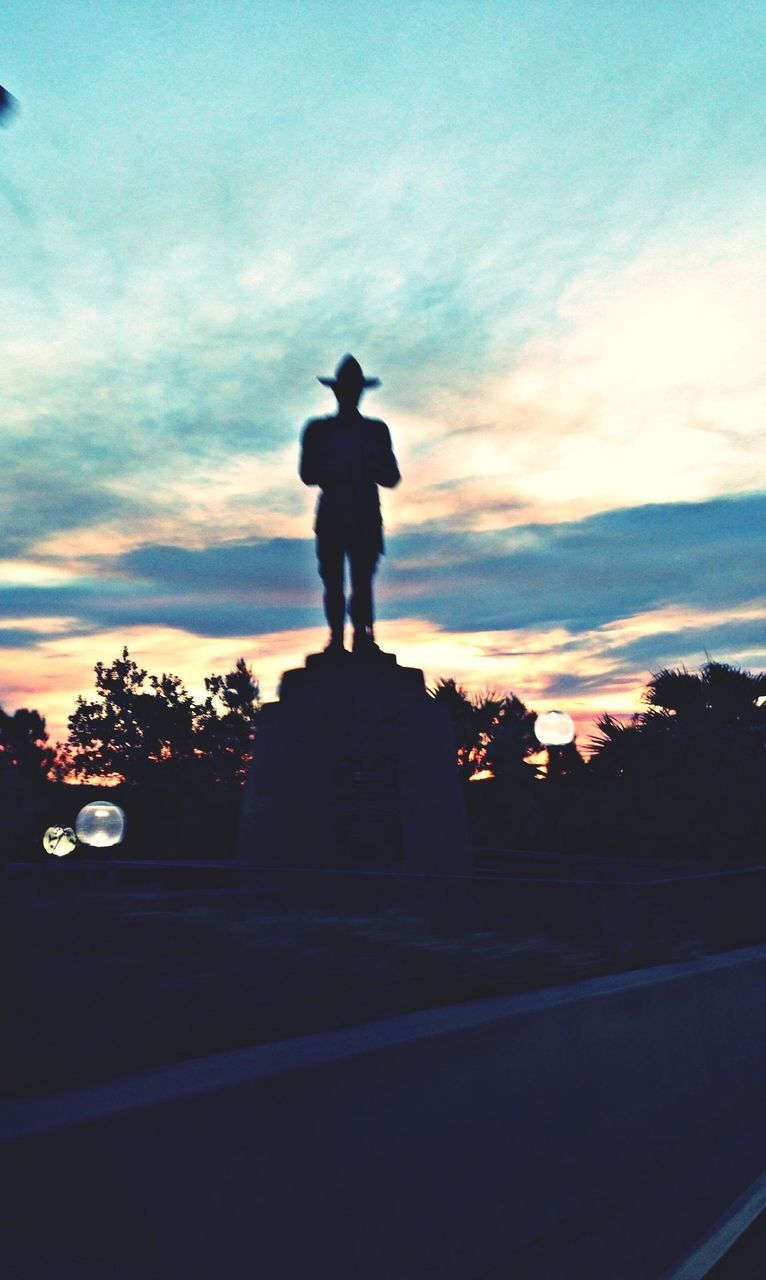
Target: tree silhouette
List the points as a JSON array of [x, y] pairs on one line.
[[493, 731], [135, 725], [689, 716], [618, 747], [145, 728], [464, 718], [227, 723], [690, 769], [25, 757], [720, 697], [511, 741]]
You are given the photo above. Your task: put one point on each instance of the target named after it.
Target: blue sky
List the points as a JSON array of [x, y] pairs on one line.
[[541, 224]]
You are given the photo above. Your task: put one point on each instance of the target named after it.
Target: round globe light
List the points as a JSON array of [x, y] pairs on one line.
[[100, 824], [59, 841], [554, 729]]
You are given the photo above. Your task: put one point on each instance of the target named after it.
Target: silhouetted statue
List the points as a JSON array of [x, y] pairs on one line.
[[348, 456]]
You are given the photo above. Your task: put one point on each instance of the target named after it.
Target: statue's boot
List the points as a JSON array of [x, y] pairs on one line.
[[335, 647], [364, 643]]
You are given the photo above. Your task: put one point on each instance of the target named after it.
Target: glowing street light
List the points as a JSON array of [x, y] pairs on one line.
[[554, 729], [100, 824]]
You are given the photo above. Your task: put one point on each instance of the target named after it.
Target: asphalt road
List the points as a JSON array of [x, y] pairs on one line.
[[653, 1230]]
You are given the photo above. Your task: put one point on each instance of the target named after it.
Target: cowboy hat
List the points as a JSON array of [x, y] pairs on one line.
[[349, 371]]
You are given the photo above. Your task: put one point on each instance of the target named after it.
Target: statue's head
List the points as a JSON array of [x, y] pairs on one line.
[[349, 383]]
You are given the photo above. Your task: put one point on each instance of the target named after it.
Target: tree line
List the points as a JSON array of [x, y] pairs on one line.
[[687, 771], [684, 776], [141, 728]]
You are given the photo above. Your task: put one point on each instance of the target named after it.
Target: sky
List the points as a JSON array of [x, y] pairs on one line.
[[539, 222]]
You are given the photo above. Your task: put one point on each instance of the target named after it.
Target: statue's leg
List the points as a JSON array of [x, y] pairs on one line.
[[363, 564], [330, 554]]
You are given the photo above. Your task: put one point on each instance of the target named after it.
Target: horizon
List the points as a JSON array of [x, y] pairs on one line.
[[542, 229]]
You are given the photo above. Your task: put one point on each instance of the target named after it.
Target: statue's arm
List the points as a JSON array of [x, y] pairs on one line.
[[309, 468], [383, 465]]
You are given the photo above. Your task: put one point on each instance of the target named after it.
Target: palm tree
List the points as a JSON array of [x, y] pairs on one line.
[[720, 696], [461, 709], [512, 741], [617, 747], [493, 731], [693, 762], [691, 709]]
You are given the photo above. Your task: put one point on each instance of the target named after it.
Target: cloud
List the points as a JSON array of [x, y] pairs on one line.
[[45, 485], [574, 614], [717, 637], [656, 371], [582, 573], [586, 671], [164, 404], [267, 586]]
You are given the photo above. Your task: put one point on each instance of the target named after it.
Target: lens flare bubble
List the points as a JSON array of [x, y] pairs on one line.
[[100, 824], [59, 841]]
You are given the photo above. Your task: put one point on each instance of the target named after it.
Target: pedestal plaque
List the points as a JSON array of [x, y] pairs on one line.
[[354, 766]]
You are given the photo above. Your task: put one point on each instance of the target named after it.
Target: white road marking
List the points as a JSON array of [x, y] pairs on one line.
[[724, 1235]]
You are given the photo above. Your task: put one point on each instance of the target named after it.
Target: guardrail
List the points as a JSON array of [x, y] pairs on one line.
[[593, 904]]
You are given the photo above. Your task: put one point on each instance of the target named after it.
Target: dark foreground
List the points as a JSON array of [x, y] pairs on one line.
[[102, 984], [593, 1131]]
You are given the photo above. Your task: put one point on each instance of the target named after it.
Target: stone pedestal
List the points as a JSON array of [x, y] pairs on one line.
[[354, 766]]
